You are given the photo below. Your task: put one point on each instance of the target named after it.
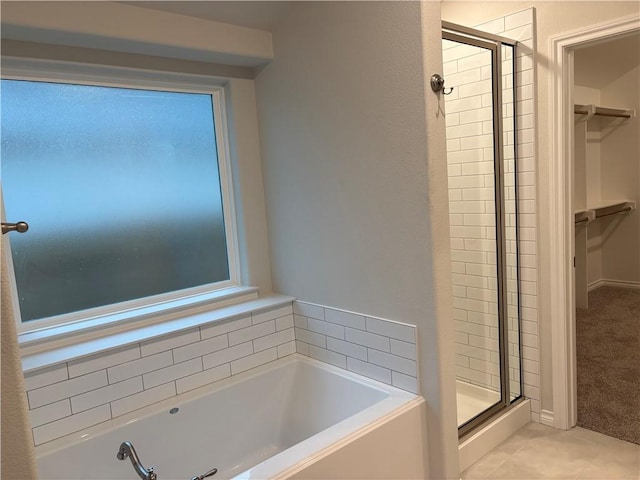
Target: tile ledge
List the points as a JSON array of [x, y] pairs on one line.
[[35, 358]]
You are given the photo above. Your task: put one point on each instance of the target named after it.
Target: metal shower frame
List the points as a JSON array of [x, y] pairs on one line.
[[494, 43]]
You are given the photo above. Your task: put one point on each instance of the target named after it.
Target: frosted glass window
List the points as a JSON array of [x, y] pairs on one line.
[[121, 190]]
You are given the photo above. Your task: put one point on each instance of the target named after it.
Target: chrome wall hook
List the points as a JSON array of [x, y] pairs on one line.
[[19, 227], [437, 84]]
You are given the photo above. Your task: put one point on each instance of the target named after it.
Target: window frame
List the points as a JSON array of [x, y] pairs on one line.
[[137, 311]]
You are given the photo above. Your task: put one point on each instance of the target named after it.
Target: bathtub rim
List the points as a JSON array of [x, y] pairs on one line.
[[322, 443], [343, 440], [165, 405]]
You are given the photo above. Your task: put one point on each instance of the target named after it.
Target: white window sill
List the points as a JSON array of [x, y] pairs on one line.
[[48, 347]]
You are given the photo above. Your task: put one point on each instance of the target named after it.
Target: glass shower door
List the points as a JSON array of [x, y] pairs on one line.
[[482, 191]]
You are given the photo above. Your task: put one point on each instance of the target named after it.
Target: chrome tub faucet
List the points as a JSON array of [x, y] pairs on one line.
[[127, 451]]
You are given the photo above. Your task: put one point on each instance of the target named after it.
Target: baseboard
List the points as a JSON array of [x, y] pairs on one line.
[[604, 282], [493, 434], [546, 418], [594, 285]]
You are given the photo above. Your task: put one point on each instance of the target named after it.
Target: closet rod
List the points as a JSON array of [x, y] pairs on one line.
[[587, 216], [614, 209]]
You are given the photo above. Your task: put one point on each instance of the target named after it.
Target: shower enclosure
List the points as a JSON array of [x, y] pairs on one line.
[[481, 156]]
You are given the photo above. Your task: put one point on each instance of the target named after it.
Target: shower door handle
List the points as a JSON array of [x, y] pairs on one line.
[[19, 227]]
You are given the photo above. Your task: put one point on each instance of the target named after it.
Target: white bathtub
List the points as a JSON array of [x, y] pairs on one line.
[[295, 417]]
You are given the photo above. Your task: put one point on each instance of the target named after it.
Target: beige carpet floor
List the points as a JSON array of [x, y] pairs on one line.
[[608, 353]]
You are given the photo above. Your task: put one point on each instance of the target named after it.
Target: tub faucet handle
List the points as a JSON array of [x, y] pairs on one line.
[[210, 473], [152, 475]]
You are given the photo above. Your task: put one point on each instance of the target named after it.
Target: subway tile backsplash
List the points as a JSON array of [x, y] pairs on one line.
[[75, 395], [78, 394], [380, 349]]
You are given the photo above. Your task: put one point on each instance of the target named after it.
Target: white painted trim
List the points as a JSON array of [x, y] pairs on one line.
[[594, 285], [546, 418], [493, 434], [559, 220], [226, 183], [607, 282], [5, 253]]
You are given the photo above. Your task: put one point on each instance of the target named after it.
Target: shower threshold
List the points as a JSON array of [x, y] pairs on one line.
[[473, 400]]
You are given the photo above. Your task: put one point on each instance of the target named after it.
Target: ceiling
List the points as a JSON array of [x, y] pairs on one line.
[[261, 15], [596, 66]]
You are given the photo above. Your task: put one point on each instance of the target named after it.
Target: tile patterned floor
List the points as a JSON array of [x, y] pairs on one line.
[[539, 452]]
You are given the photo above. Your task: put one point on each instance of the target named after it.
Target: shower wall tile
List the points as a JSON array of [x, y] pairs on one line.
[[274, 340], [66, 389], [346, 319], [227, 355], [226, 327], [369, 370], [381, 349], [470, 161], [270, 315], [285, 349], [103, 360], [165, 375], [72, 396], [371, 340], [73, 423], [139, 367], [46, 376], [104, 395], [347, 348], [308, 310], [142, 399], [253, 360], [403, 349], [326, 328], [404, 382], [256, 331], [284, 323], [203, 378], [50, 413], [168, 342], [517, 19], [328, 356], [197, 349]]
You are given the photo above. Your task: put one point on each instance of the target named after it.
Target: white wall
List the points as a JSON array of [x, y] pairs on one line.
[[354, 187], [587, 166], [551, 18], [621, 180]]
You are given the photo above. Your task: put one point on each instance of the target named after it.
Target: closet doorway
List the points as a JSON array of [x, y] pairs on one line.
[[606, 92], [595, 226]]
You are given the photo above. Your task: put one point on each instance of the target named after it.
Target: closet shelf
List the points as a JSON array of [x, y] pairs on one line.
[[588, 216], [591, 110]]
